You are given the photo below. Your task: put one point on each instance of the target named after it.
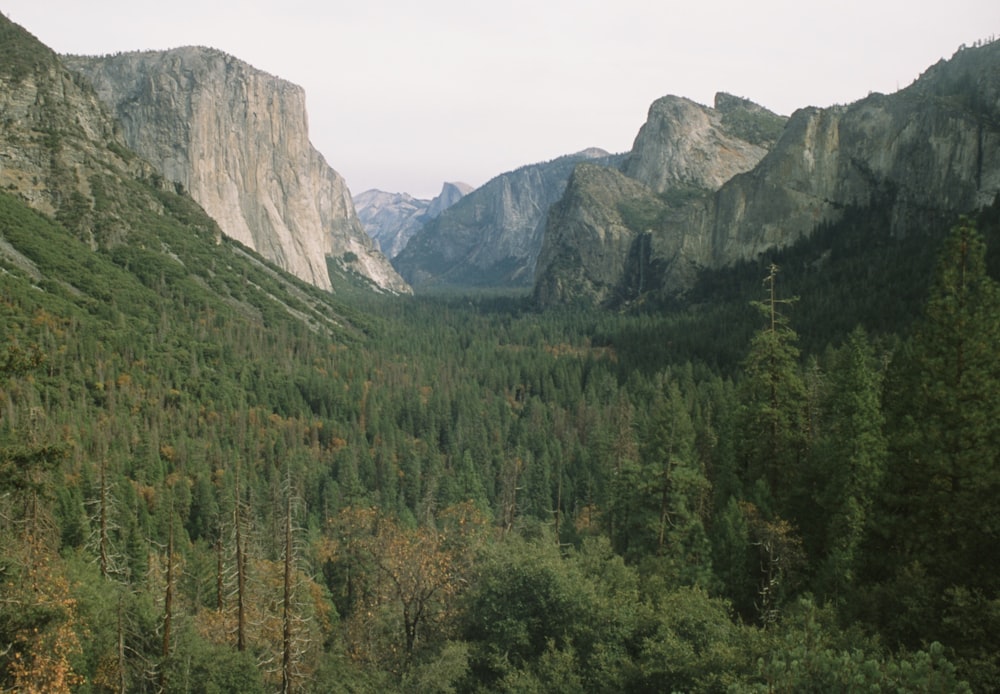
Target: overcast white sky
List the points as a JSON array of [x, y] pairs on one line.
[[403, 95]]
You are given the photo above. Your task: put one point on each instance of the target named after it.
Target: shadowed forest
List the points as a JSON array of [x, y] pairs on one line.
[[788, 481]]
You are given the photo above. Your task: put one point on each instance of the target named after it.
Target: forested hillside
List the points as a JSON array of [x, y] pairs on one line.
[[205, 491], [216, 478]]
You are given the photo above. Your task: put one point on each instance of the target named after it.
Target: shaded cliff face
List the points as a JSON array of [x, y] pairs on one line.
[[61, 151], [391, 219], [492, 236], [930, 152], [614, 222], [593, 232], [237, 139]]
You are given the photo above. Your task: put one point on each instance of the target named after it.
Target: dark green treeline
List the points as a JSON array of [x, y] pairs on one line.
[[463, 494]]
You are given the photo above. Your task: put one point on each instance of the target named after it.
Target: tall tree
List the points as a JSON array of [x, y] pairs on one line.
[[940, 511], [773, 415], [853, 458]]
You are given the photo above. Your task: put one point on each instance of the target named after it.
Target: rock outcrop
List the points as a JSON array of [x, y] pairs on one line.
[[930, 152], [685, 143], [58, 142], [391, 219], [236, 139], [592, 235], [492, 236], [614, 221]]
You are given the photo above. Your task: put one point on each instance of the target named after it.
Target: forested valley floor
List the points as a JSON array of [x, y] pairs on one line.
[[790, 481]]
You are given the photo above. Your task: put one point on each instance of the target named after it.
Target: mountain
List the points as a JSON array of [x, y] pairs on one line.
[[391, 219], [58, 140], [603, 241], [237, 139], [215, 476], [683, 143], [928, 152], [492, 236], [110, 229]]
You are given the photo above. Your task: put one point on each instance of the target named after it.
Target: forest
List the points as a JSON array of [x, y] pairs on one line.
[[787, 480]]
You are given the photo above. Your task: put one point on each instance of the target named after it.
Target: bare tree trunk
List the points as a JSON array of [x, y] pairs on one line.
[[219, 575], [241, 587], [103, 520], [286, 628], [122, 684], [168, 602]]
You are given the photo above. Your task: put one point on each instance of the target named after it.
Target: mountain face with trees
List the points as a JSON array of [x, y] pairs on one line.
[[237, 140], [215, 477], [491, 238], [927, 152]]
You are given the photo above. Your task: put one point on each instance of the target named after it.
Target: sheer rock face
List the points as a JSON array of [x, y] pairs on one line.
[[493, 235], [391, 219], [237, 139], [689, 144], [588, 240], [930, 151], [614, 222]]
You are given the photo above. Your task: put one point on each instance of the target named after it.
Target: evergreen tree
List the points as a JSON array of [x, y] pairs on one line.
[[935, 547], [676, 488], [852, 460], [773, 414]]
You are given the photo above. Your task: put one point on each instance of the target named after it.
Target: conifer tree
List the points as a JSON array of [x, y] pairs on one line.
[[853, 459], [945, 423], [934, 546], [773, 415]]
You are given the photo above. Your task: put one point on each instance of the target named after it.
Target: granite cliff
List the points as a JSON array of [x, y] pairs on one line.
[[57, 140], [930, 151], [603, 241], [391, 219], [237, 139], [492, 236]]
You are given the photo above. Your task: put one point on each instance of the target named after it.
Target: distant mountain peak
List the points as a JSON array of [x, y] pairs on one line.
[[391, 219]]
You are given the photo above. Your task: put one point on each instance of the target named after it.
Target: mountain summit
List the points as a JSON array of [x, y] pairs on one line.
[[927, 153], [237, 139], [392, 219], [491, 237]]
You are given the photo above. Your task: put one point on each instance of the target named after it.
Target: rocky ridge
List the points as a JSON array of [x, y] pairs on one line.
[[930, 151], [492, 236], [56, 137], [236, 139], [391, 219], [610, 220]]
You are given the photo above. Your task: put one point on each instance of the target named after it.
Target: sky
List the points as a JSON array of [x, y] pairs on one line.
[[404, 95]]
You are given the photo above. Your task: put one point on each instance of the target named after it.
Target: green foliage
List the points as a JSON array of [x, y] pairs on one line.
[[938, 510], [20, 54], [773, 416], [692, 644], [850, 459], [651, 483], [809, 653], [758, 127]]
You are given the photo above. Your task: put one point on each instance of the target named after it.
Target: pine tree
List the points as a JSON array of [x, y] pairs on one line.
[[853, 458], [934, 545], [773, 414], [945, 424]]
